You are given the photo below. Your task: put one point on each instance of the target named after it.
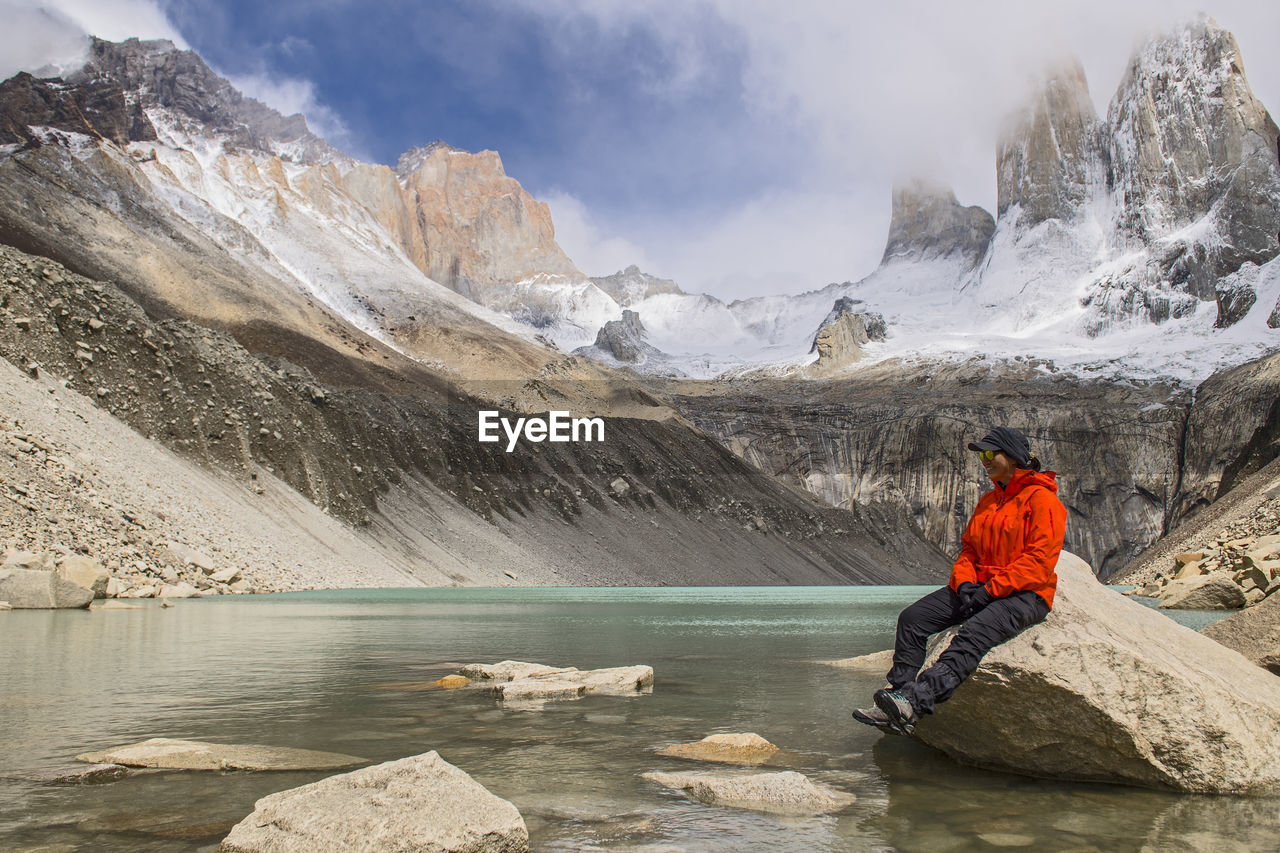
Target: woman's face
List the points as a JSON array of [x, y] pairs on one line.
[[999, 467]]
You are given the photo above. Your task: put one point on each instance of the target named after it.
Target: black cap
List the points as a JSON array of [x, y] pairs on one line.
[[1008, 441]]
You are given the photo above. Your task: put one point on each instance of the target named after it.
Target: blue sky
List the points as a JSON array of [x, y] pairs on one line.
[[739, 146]]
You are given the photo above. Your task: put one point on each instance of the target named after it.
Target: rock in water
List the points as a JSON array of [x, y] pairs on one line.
[[1108, 690], [171, 754], [41, 589], [418, 803], [748, 748], [787, 792]]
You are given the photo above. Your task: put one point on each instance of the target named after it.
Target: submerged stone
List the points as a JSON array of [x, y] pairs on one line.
[[746, 748], [173, 754], [786, 792]]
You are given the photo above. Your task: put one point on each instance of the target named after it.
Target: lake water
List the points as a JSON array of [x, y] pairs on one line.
[[326, 671]]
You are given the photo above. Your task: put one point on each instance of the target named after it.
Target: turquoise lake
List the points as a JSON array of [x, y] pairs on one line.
[[334, 671]]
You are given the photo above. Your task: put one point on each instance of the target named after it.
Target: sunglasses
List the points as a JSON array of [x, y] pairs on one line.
[[987, 455]]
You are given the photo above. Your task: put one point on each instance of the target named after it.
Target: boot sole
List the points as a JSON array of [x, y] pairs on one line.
[[901, 724]]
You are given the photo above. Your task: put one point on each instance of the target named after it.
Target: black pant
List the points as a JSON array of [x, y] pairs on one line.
[[998, 621]]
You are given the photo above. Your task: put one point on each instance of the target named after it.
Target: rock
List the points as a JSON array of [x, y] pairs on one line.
[[1188, 570], [1188, 557], [452, 682], [507, 670], [620, 487], [43, 561], [841, 335], [1251, 578], [85, 572], [418, 803], [631, 285], [539, 689], [181, 589], [516, 681], [748, 748], [1109, 690], [1235, 295], [191, 557], [623, 339], [172, 754], [874, 662], [927, 222], [1254, 633], [1254, 596], [93, 774], [786, 792], [115, 586], [38, 589], [1217, 592], [4, 605], [164, 602], [227, 576]]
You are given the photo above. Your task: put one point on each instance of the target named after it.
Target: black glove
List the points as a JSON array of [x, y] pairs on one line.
[[977, 601], [966, 591]]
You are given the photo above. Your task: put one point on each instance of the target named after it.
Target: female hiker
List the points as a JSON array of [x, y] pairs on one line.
[[1002, 583]]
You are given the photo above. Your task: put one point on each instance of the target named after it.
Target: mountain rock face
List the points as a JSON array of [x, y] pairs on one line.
[[1048, 159], [843, 333], [479, 229], [927, 222], [631, 285], [97, 108], [622, 338]]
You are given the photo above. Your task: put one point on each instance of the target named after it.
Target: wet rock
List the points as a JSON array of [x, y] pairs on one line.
[[93, 774], [418, 803], [786, 792], [173, 754], [38, 589], [1103, 690], [747, 748], [452, 682], [521, 681]]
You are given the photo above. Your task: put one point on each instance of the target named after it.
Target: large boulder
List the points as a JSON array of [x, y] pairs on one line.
[[172, 754], [1254, 633], [1216, 591], [786, 792], [41, 589], [85, 572], [418, 803], [1108, 690]]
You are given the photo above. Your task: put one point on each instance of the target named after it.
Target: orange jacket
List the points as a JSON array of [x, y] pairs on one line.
[[1013, 539]]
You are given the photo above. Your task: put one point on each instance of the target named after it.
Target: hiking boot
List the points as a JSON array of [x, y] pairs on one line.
[[876, 717], [897, 708]]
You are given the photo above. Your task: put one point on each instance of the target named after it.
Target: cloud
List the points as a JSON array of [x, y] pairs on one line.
[[580, 235], [290, 95], [870, 92]]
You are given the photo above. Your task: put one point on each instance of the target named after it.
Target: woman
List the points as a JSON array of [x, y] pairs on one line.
[[1002, 583]]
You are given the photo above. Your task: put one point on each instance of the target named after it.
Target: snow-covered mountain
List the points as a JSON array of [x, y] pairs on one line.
[[1142, 243]]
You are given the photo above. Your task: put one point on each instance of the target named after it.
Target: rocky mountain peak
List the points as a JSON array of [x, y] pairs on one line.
[[415, 158], [928, 222], [632, 285], [1187, 131], [1051, 155]]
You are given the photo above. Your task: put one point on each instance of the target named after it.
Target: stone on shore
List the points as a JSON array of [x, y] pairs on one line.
[[418, 803], [182, 589], [171, 754], [1217, 591], [746, 748], [518, 681], [786, 792], [41, 589], [85, 572], [1108, 690], [1254, 633]]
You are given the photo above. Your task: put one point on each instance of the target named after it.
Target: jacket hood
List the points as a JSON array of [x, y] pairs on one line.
[[1025, 478]]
